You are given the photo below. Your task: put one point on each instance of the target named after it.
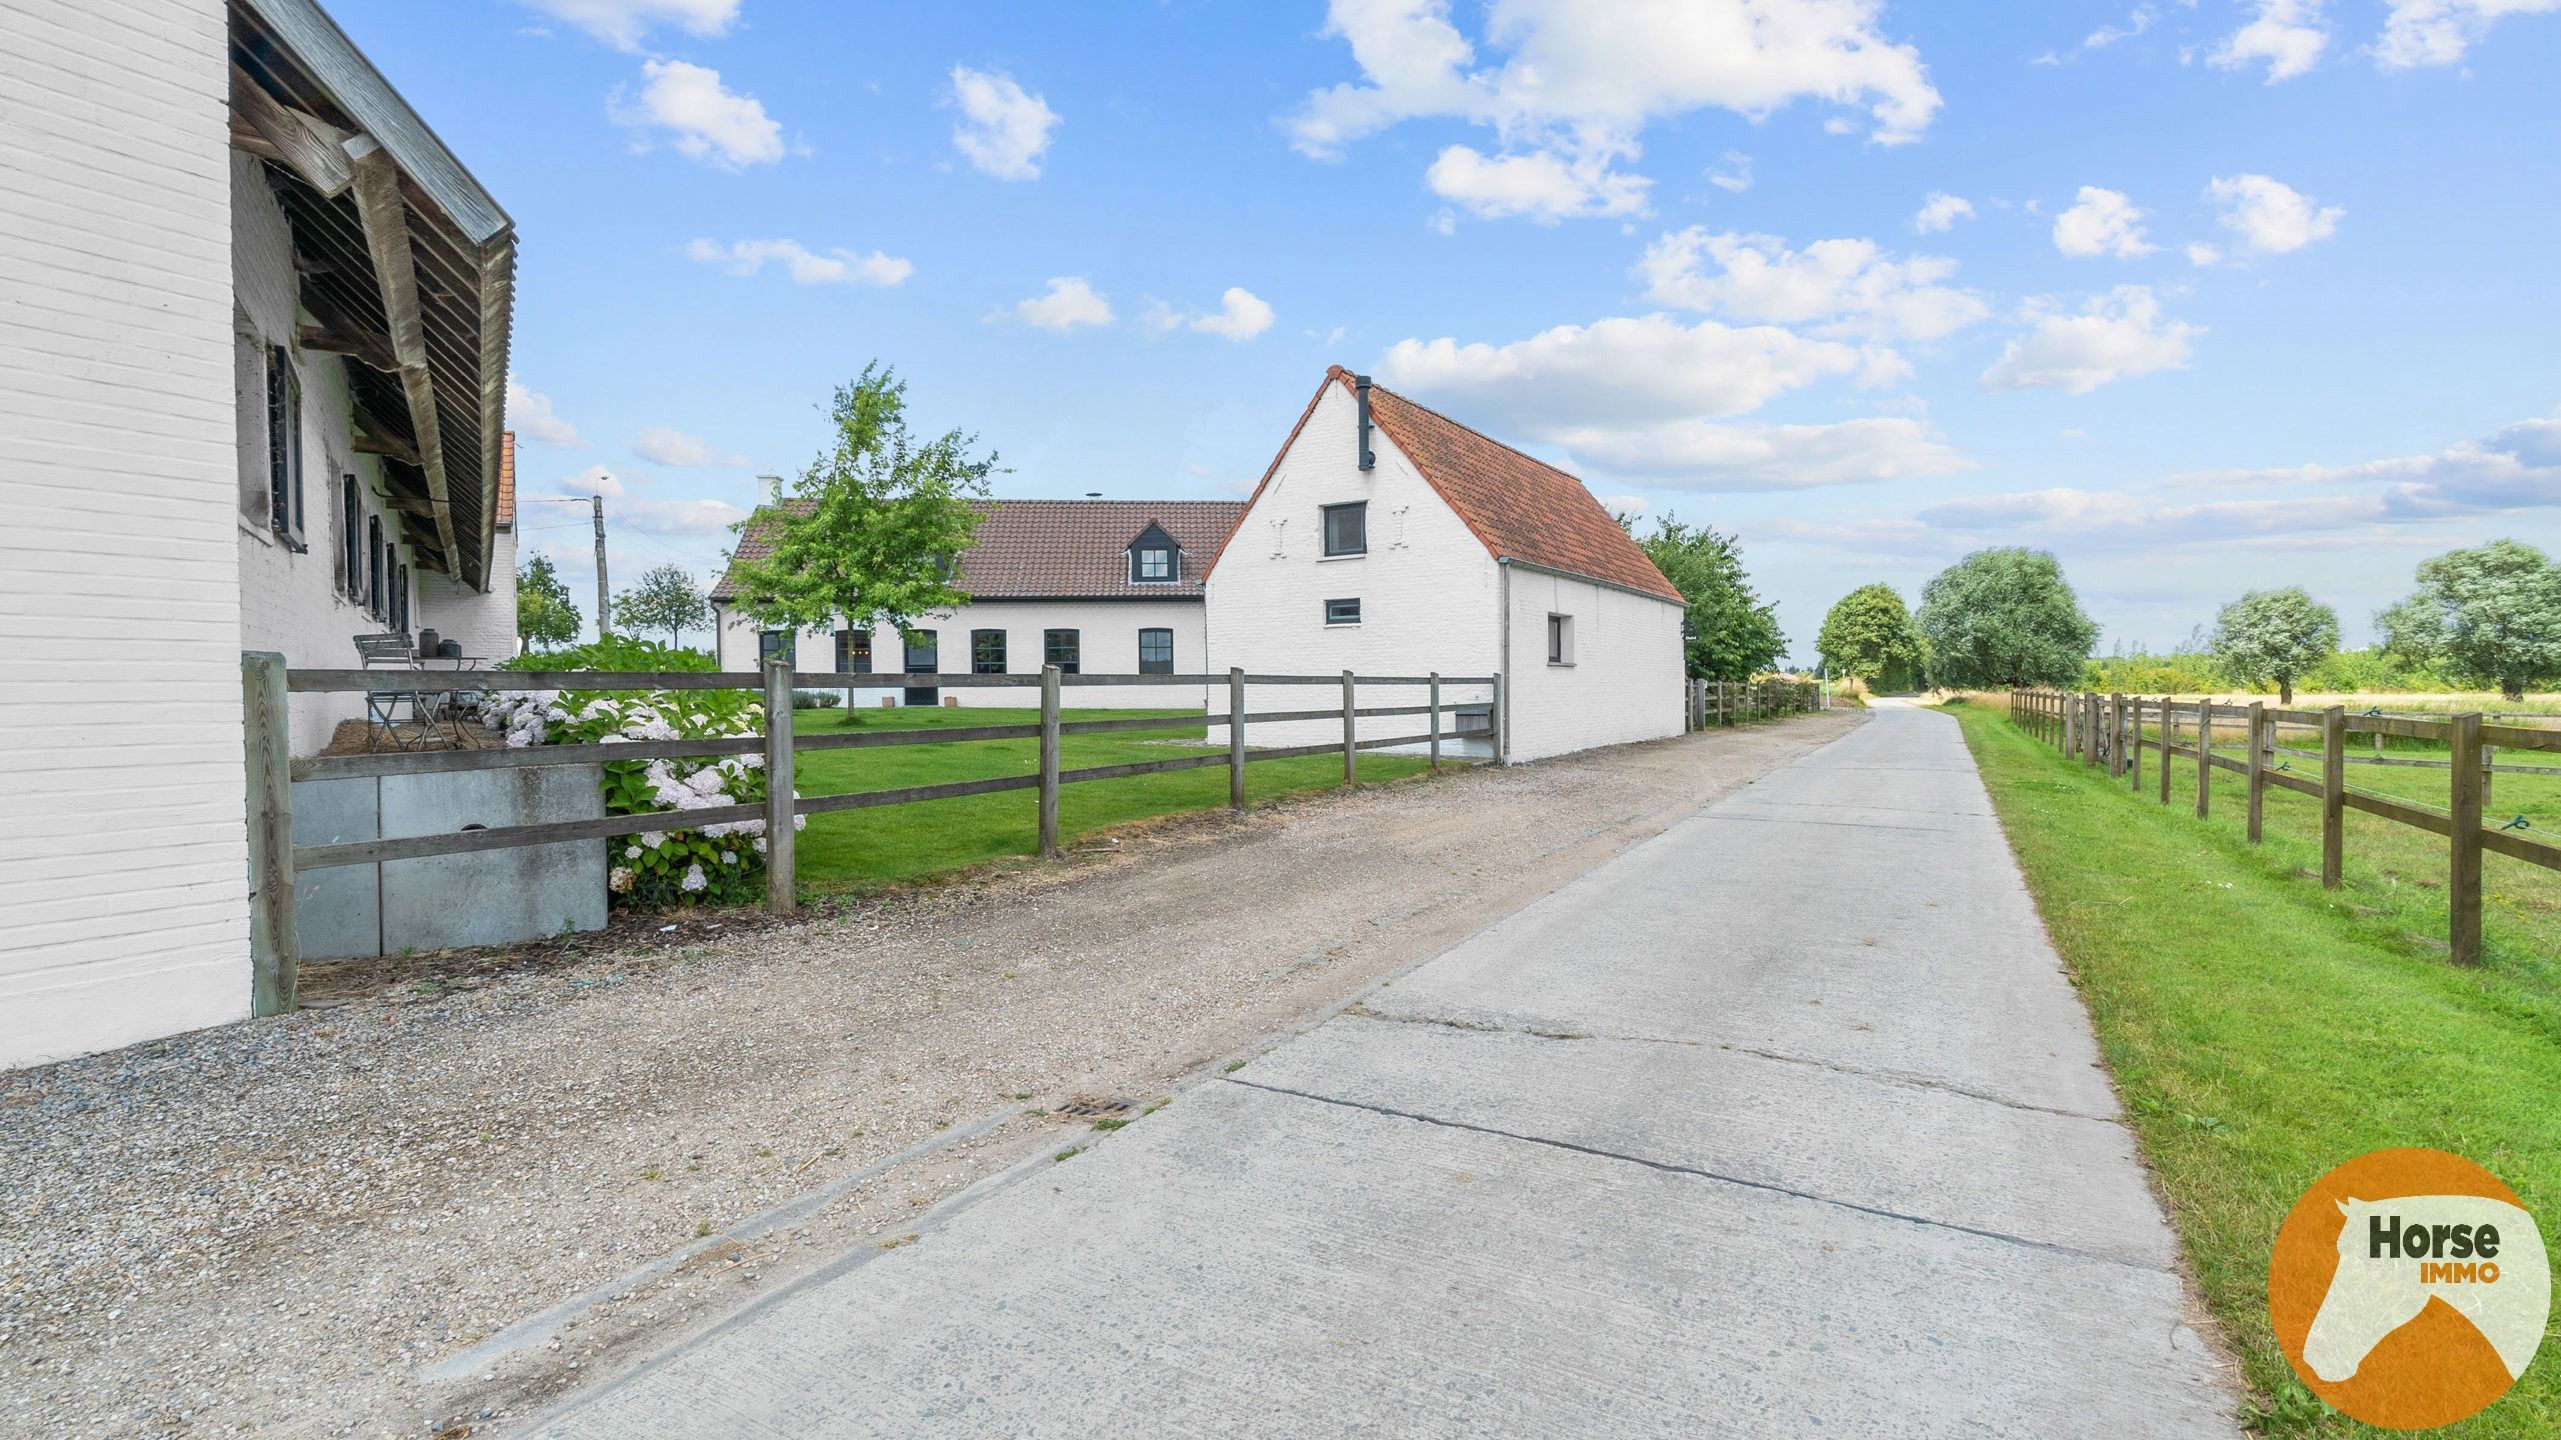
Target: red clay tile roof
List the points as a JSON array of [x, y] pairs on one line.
[[1061, 549], [506, 479], [1521, 508]]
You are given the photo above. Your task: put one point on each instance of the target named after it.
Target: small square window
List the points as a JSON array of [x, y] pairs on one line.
[[1062, 648], [1347, 528], [1560, 639], [783, 645], [1342, 612], [1155, 652], [987, 652], [1154, 563]]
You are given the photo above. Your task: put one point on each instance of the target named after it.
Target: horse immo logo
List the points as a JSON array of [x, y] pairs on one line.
[[2409, 1288]]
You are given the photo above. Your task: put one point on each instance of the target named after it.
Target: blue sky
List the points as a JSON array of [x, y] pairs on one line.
[[2239, 292]]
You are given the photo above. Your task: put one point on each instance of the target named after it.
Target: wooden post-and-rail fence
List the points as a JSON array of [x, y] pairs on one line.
[[274, 858], [2109, 729], [1731, 702]]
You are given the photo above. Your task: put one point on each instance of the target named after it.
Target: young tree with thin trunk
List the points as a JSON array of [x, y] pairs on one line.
[[665, 599]]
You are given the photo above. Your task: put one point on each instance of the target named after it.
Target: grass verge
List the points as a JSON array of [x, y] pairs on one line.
[[864, 849], [2263, 1030]]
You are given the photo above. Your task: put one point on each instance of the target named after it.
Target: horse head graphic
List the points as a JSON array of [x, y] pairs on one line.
[[2481, 1256]]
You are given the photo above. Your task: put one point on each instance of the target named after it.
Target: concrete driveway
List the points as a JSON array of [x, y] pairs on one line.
[[1783, 1123]]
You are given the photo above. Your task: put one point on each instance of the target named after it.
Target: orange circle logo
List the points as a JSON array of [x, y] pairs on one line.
[[2409, 1288]]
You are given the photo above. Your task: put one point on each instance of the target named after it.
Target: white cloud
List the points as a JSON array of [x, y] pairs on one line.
[[2104, 222], [2438, 32], [1643, 370], [676, 517], [2200, 253], [1703, 455], [2517, 467], [529, 414], [1852, 286], [704, 119], [1242, 315], [1579, 83], [1003, 129], [1625, 504], [1732, 173], [669, 446], [2288, 34], [2115, 336], [1068, 303], [837, 267], [1544, 185], [594, 480], [2270, 216], [2136, 22], [1940, 211], [623, 24]]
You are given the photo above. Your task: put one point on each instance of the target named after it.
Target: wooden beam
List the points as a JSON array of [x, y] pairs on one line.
[[376, 186], [367, 441], [370, 350], [305, 144]]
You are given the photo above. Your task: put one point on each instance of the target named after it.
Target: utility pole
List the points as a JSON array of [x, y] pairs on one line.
[[604, 610]]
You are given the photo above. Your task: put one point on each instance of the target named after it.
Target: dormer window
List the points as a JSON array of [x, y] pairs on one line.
[[1154, 558]]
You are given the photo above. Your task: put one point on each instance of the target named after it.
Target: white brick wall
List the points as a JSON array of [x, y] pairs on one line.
[[1108, 633], [1427, 587], [484, 621], [123, 866], [1431, 599]]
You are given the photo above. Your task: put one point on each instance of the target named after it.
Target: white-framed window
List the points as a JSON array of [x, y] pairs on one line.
[[1343, 612], [1560, 639], [1347, 528]]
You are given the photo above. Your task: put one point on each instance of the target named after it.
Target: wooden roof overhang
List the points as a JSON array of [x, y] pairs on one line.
[[406, 266]]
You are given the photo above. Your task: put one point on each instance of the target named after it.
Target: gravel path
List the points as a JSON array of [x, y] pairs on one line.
[[282, 1227]]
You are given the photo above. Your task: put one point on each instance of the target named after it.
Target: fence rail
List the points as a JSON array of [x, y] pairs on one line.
[[1731, 702], [2108, 730], [275, 860]]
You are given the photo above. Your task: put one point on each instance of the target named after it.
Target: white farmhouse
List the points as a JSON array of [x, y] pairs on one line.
[[1388, 539], [251, 384], [1104, 587]]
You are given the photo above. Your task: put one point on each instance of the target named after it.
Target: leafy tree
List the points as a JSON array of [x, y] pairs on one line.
[[545, 615], [2005, 617], [665, 599], [1736, 634], [2277, 635], [876, 525], [2486, 616], [1870, 635]]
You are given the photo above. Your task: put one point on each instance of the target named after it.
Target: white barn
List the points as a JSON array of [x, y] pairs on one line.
[[1388, 539], [255, 367], [1105, 587]]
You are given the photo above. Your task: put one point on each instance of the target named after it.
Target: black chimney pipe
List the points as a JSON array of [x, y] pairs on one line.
[[1360, 387]]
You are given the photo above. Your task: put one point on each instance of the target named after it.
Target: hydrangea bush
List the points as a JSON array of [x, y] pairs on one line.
[[720, 864]]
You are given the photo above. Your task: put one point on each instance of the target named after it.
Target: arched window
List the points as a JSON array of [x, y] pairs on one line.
[[373, 565], [351, 541]]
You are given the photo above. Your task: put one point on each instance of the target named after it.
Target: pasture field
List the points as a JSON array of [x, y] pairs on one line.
[[2262, 1030]]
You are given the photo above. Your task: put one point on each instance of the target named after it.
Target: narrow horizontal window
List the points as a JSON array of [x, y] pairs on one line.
[[1342, 612]]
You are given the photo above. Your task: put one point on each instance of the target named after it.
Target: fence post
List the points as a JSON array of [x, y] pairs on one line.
[[2204, 755], [2463, 881], [275, 949], [2134, 750], [1351, 727], [781, 867], [1436, 719], [1049, 761], [2093, 730], [2334, 796], [2169, 737], [2258, 771], [2115, 735], [1236, 737]]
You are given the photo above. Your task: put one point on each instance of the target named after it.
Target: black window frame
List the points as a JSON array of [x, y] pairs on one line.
[[1359, 510], [400, 598], [853, 652], [1164, 666], [1138, 564], [1066, 657], [351, 550], [373, 566], [1334, 615], [981, 642], [783, 645], [284, 444]]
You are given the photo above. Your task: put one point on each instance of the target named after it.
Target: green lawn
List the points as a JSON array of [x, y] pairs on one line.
[[2263, 1030], [864, 849]]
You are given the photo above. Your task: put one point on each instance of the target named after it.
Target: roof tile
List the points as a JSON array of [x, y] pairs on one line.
[[1056, 549]]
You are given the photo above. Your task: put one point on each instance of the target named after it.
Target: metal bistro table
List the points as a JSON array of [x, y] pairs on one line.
[[443, 709]]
